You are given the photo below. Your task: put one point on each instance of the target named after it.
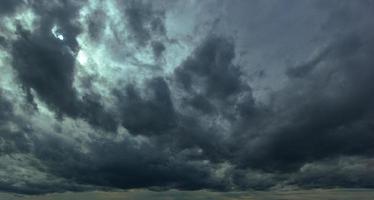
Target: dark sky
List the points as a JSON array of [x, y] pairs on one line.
[[186, 94]]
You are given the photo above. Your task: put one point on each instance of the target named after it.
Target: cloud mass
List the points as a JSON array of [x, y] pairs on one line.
[[125, 94]]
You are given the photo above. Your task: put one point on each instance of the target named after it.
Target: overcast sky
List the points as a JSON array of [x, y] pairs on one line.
[[214, 95]]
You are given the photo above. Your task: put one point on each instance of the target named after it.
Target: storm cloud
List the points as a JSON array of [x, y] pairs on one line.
[[185, 95]]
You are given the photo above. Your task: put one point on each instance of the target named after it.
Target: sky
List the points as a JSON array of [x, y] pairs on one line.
[[186, 95]]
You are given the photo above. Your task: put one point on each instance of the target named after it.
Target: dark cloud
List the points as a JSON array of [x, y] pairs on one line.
[[349, 172], [3, 42], [209, 75], [158, 48], [212, 62], [327, 114], [201, 103], [302, 70], [46, 64], [213, 89], [153, 114], [92, 109], [122, 164], [145, 22], [146, 167], [10, 140]]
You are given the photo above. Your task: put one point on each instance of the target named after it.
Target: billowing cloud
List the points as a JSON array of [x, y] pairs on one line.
[[130, 94]]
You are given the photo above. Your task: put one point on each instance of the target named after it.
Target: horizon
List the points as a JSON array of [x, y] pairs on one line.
[[330, 194]]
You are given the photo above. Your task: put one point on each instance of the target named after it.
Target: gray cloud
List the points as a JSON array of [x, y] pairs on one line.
[[9, 6]]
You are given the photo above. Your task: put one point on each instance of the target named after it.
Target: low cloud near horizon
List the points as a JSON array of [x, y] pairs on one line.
[[331, 194]]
